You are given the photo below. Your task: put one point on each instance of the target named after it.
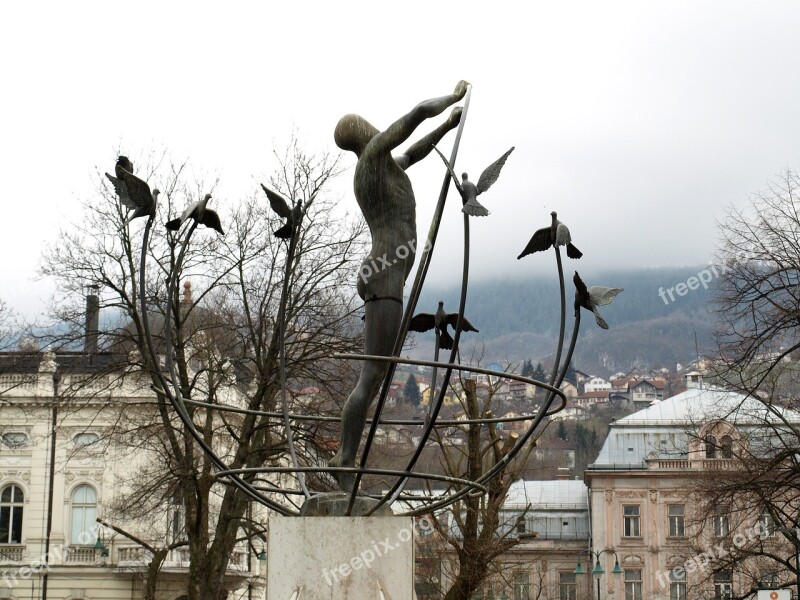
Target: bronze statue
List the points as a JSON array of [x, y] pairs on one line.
[[198, 212], [469, 191], [440, 320], [133, 193], [555, 235], [293, 215], [386, 198], [591, 298]]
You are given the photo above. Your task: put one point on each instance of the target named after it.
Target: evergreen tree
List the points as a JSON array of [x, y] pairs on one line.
[[570, 375], [527, 368], [561, 432], [538, 373], [411, 391]]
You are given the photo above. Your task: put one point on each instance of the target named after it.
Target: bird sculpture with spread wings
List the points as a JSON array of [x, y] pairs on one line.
[[469, 191], [201, 214], [293, 215], [591, 298], [440, 320], [133, 193], [555, 235]]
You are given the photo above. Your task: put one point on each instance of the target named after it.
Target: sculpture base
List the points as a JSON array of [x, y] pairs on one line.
[[351, 558], [334, 504]]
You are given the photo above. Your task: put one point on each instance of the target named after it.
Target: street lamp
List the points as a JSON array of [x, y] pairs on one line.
[[598, 568]]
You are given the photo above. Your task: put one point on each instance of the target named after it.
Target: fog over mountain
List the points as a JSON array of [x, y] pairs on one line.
[[519, 318]]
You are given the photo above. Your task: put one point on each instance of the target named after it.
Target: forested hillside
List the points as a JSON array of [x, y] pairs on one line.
[[518, 318]]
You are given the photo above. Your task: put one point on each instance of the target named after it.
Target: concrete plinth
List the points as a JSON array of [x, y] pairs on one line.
[[350, 558], [335, 504]]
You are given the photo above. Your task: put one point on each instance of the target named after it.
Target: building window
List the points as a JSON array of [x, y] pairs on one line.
[[11, 499], [567, 586], [766, 523], [677, 585], [722, 523], [677, 521], [84, 512], [84, 440], [723, 588], [522, 585], [633, 584], [631, 521], [726, 442], [520, 525], [15, 439], [711, 446]]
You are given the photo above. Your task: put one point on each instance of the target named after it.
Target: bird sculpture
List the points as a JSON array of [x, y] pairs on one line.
[[293, 216], [469, 191], [591, 298], [440, 320], [555, 235], [133, 193], [201, 214], [125, 163]]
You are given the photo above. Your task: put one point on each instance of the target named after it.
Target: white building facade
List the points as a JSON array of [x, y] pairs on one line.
[[59, 472]]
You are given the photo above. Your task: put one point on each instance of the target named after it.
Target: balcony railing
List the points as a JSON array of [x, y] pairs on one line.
[[133, 555], [179, 558], [11, 553], [707, 464], [81, 555]]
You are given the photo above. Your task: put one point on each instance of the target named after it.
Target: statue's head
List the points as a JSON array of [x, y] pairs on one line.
[[353, 133]]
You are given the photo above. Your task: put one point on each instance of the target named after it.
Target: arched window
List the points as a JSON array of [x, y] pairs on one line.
[[11, 499], [726, 442], [15, 439], [711, 446], [84, 440], [83, 528]]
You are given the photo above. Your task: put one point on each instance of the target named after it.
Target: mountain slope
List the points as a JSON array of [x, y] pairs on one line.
[[518, 319]]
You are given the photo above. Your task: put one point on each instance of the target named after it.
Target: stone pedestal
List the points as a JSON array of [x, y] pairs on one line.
[[342, 558]]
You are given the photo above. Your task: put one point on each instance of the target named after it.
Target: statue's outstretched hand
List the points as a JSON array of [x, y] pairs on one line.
[[455, 117]]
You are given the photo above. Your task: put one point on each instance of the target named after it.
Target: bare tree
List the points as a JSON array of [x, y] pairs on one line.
[[758, 297], [476, 528], [226, 336], [758, 302], [6, 325], [746, 498]]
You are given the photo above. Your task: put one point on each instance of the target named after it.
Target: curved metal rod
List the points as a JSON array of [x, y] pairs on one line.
[[392, 472], [403, 498], [563, 315], [171, 287], [469, 368], [282, 353], [397, 488], [501, 464], [555, 379], [419, 280], [434, 375], [181, 410], [320, 418]]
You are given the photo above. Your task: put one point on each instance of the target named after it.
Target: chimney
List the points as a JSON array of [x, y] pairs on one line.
[[693, 380], [563, 474], [187, 293], [92, 319]]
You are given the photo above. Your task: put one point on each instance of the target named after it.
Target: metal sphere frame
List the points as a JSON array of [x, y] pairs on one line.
[[261, 491]]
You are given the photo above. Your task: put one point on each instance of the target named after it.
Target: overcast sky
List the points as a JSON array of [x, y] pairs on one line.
[[638, 122]]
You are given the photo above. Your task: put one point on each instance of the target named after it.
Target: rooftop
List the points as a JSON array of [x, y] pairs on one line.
[[664, 429]]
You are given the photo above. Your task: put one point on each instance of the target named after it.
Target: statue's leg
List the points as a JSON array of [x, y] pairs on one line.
[[381, 321]]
